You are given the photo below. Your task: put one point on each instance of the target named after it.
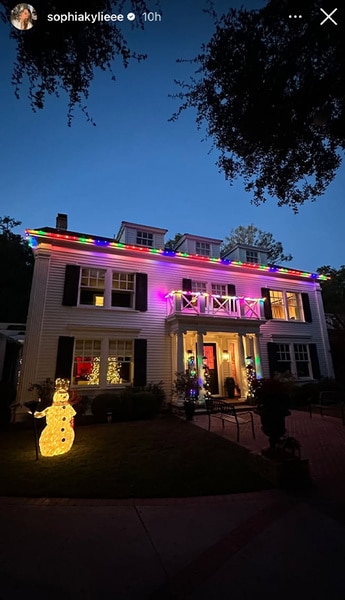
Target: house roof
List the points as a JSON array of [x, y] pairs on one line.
[[49, 233]]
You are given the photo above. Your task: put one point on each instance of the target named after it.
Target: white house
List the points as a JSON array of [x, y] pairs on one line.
[[105, 313]]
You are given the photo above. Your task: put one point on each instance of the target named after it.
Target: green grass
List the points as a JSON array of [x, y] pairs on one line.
[[165, 457]]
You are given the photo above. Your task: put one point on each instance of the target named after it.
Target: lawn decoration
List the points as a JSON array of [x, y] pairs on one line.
[[58, 435]]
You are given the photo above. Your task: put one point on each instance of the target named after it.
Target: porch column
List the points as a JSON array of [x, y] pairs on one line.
[[257, 357], [180, 353], [242, 364], [200, 347]]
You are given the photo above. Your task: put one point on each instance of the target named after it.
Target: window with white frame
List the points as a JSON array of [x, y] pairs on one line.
[[120, 360], [122, 291], [92, 287], [199, 286], [97, 361], [294, 358], [218, 289], [203, 248], [286, 305], [252, 256], [144, 238], [294, 306]]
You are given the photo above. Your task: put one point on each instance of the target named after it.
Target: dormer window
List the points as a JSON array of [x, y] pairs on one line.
[[144, 238], [203, 249], [252, 256]]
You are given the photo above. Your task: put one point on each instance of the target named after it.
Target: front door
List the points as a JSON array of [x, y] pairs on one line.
[[211, 355]]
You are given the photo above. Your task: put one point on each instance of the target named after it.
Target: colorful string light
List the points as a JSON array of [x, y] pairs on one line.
[[33, 234]]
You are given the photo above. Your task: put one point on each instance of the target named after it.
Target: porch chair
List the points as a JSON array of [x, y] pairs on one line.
[[227, 412]]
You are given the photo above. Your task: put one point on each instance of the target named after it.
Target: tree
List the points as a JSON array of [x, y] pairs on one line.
[[270, 92], [253, 236], [169, 245], [56, 56], [333, 292], [17, 263], [333, 295]]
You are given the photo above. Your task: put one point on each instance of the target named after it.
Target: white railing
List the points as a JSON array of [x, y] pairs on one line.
[[236, 307]]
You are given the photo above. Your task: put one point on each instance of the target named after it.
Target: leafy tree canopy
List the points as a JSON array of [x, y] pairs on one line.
[[253, 236], [270, 91], [172, 241], [17, 261], [333, 291], [55, 56]]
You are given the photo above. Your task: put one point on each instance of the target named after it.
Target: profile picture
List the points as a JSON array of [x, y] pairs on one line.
[[23, 16]]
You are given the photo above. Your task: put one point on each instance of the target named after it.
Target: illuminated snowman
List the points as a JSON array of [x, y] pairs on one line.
[[58, 435]]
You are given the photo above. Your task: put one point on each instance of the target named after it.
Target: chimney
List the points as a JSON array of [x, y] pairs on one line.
[[61, 221]]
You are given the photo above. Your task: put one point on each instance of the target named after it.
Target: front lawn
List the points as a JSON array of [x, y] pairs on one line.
[[144, 459]]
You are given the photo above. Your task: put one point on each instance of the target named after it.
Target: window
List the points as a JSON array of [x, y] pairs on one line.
[[144, 238], [88, 367], [277, 305], [119, 361], [218, 289], [86, 364], [104, 288], [286, 305], [293, 305], [122, 293], [199, 286], [92, 286], [294, 358], [252, 256], [203, 248]]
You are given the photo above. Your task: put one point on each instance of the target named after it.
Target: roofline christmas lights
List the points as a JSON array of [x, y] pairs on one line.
[[32, 234]]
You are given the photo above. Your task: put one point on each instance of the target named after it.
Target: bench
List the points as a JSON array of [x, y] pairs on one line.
[[227, 413], [327, 400]]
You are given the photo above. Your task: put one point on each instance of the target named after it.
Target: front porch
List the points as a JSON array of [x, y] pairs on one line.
[[228, 355]]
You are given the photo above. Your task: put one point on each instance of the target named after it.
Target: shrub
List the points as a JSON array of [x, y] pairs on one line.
[[7, 397], [104, 403]]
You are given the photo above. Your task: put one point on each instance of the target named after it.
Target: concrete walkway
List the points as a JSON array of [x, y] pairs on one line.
[[267, 544]]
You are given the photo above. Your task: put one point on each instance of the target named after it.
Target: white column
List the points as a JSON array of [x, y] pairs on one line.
[[242, 364], [257, 357], [180, 353]]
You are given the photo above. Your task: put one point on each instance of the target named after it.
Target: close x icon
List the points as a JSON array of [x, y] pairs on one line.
[[328, 16]]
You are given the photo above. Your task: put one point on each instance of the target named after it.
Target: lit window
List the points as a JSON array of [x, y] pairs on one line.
[[252, 256], [203, 248], [119, 361], [144, 238], [277, 304], [286, 305], [92, 287], [86, 366], [122, 290], [293, 305]]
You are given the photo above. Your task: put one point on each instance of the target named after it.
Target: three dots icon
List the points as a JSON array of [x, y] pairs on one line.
[[295, 16]]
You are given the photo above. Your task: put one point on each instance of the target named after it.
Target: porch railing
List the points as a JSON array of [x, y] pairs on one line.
[[236, 307]]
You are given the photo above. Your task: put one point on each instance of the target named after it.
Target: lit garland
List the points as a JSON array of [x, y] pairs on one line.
[[58, 435], [207, 380], [93, 376], [192, 392], [114, 368], [33, 234], [251, 377]]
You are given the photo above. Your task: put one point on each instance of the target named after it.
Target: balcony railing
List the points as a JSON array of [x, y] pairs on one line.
[[198, 303]]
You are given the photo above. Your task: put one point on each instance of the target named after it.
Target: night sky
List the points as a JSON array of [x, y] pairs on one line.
[[137, 166]]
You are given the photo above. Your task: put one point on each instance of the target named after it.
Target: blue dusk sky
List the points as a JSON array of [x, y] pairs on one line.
[[137, 166]]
